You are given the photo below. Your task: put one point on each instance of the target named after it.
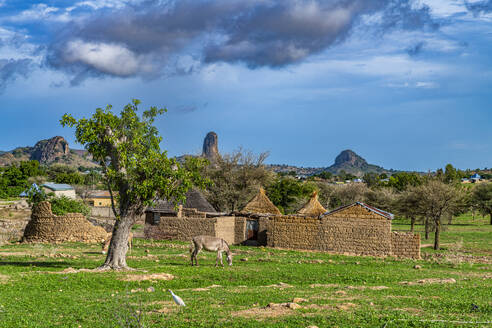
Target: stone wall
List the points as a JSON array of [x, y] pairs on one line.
[[263, 230], [239, 230], [356, 235], [405, 244], [225, 228], [180, 228], [44, 226]]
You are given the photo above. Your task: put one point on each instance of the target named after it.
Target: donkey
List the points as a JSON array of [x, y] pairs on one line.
[[211, 244]]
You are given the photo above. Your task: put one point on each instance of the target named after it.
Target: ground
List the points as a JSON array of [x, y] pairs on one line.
[[43, 286]]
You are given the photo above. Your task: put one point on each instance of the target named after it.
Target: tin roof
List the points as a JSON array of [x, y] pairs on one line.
[[57, 186], [385, 214]]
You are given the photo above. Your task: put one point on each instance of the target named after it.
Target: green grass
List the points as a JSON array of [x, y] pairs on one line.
[[340, 290]]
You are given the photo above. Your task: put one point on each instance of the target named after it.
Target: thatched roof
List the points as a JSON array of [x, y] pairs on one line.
[[313, 207], [261, 204], [194, 199]]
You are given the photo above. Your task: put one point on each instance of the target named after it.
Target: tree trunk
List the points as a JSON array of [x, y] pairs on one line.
[[116, 258], [427, 228], [437, 233], [412, 224]]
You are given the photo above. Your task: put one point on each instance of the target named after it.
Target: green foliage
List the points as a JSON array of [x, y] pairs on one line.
[[451, 175], [36, 195], [127, 146], [14, 179], [63, 205], [402, 180], [285, 193], [482, 198], [371, 179], [324, 175]]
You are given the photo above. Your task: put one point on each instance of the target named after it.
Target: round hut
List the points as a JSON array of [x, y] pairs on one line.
[[313, 207], [45, 227]]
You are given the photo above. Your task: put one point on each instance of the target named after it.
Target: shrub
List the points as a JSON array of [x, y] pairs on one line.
[[63, 205]]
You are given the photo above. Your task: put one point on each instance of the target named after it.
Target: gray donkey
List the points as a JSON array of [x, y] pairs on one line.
[[211, 244]]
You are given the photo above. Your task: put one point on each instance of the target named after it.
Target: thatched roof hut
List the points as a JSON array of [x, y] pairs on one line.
[[194, 199], [261, 204], [313, 207]]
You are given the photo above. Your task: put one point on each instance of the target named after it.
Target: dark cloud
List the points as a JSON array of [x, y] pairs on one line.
[[11, 69], [416, 49], [147, 39], [481, 7]]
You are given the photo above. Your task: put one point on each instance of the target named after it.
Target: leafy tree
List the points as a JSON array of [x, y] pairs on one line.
[[285, 192], [450, 174], [325, 175], [402, 180], [437, 200], [235, 178], [482, 197], [371, 179], [127, 147]]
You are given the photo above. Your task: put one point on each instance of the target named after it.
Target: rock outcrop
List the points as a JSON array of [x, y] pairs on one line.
[[348, 157], [50, 150], [210, 147]]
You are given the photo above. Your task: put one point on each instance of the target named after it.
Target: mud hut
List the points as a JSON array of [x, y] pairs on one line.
[[313, 207], [46, 227], [261, 204], [194, 200]]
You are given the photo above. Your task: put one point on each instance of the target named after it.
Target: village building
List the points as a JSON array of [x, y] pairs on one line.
[[59, 189], [356, 229], [99, 198]]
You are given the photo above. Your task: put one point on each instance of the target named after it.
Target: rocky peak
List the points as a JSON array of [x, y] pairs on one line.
[[210, 146], [350, 158], [46, 151]]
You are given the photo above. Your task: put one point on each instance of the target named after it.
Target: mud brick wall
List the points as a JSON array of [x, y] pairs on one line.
[[44, 226], [192, 213], [405, 244], [294, 232], [225, 228], [239, 230], [361, 236], [180, 228], [263, 230]]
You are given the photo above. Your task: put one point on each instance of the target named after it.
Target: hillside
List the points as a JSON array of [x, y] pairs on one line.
[[49, 151]]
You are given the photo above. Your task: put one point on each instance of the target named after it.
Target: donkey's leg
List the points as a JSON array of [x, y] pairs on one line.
[[217, 259], [192, 255], [197, 250], [221, 259]]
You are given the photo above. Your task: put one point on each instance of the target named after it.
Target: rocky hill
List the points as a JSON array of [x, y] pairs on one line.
[[49, 151], [347, 161]]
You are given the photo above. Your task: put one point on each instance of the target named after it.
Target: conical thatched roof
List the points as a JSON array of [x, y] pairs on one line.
[[313, 207], [194, 199], [261, 204]]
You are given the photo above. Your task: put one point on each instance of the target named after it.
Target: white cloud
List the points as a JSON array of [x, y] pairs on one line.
[[108, 58], [41, 12]]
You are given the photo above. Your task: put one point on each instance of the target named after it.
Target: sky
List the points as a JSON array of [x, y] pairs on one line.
[[407, 84]]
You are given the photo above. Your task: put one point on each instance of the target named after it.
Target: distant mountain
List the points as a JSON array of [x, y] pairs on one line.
[[347, 161], [49, 151]]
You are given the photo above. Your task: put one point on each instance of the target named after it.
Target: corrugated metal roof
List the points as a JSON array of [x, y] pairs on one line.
[[385, 214], [57, 186]]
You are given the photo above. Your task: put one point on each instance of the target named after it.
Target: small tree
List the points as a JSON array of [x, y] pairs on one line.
[[437, 200], [482, 197], [127, 148], [235, 179]]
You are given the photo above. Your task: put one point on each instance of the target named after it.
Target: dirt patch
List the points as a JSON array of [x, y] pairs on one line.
[[280, 285], [164, 307], [429, 281], [411, 310], [346, 306], [311, 261], [367, 287], [4, 279], [272, 310], [147, 277], [323, 285]]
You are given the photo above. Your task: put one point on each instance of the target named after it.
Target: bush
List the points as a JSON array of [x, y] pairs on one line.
[[63, 205]]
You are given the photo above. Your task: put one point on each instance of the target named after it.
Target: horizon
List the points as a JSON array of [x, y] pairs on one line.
[[404, 84]]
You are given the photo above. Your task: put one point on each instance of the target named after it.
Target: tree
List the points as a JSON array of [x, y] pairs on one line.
[[127, 147], [285, 193], [450, 174], [482, 197], [437, 200], [371, 179], [402, 180], [235, 179]]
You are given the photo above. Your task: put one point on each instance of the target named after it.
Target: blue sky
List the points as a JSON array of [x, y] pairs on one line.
[[407, 84]]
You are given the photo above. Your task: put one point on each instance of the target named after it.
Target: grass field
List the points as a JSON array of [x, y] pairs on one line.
[[40, 286]]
